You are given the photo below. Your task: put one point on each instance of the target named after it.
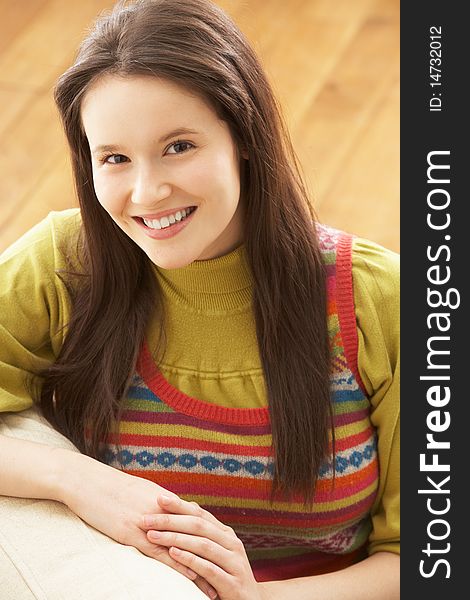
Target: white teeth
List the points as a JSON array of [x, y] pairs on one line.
[[153, 224], [165, 222]]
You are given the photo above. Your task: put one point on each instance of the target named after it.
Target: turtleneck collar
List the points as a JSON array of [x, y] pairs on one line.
[[217, 284]]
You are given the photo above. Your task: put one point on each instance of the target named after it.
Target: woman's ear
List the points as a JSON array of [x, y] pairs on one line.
[[244, 153]]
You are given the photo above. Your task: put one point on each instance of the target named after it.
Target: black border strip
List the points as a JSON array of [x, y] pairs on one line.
[[424, 131]]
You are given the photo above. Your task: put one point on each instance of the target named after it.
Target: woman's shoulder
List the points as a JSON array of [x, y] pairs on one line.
[[375, 271], [367, 252], [47, 241], [376, 286]]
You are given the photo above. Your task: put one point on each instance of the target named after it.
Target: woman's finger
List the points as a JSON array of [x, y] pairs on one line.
[[212, 573], [203, 547], [161, 554], [224, 536], [205, 587], [174, 504]]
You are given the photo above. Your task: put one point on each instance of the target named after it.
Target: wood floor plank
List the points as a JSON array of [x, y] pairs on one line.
[[54, 191], [300, 59], [13, 102], [330, 127], [369, 181], [16, 16], [26, 152], [46, 46]]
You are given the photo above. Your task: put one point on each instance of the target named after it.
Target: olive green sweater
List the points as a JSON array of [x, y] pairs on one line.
[[211, 351]]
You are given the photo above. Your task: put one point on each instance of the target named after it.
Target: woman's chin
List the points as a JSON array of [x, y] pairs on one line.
[[170, 261]]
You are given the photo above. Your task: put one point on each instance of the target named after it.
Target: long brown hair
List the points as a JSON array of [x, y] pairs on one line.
[[195, 44]]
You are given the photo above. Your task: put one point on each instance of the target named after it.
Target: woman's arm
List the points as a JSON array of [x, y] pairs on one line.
[[111, 501], [375, 578], [30, 470]]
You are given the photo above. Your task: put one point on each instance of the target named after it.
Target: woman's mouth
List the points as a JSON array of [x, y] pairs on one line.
[[168, 220], [167, 226]]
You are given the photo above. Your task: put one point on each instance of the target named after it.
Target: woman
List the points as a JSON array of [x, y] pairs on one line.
[[235, 362]]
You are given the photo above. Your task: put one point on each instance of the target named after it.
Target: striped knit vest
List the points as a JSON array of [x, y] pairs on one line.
[[222, 459]]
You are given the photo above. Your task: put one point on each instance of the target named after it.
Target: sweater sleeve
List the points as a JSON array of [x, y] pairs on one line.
[[33, 311], [376, 296]]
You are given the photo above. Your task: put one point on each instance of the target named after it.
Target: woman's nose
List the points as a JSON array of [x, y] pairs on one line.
[[149, 188]]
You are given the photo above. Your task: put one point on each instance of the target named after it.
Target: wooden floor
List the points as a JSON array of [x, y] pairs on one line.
[[334, 65]]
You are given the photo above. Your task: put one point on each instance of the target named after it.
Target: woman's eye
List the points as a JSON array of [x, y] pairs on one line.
[[115, 159], [179, 147]]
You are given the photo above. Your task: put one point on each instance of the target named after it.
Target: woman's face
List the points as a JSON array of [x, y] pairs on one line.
[[165, 168]]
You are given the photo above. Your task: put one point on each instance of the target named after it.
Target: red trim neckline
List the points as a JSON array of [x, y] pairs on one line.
[[188, 405]]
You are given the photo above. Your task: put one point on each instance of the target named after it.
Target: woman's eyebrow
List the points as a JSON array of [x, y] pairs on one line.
[[177, 132], [174, 133], [105, 148]]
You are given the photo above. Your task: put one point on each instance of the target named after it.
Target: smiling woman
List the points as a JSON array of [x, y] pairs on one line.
[[226, 365], [153, 182]]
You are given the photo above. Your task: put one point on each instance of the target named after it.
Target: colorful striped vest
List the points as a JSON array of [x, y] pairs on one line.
[[221, 457]]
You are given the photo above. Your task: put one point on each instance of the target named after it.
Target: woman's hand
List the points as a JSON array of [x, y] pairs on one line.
[[198, 541], [114, 503]]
